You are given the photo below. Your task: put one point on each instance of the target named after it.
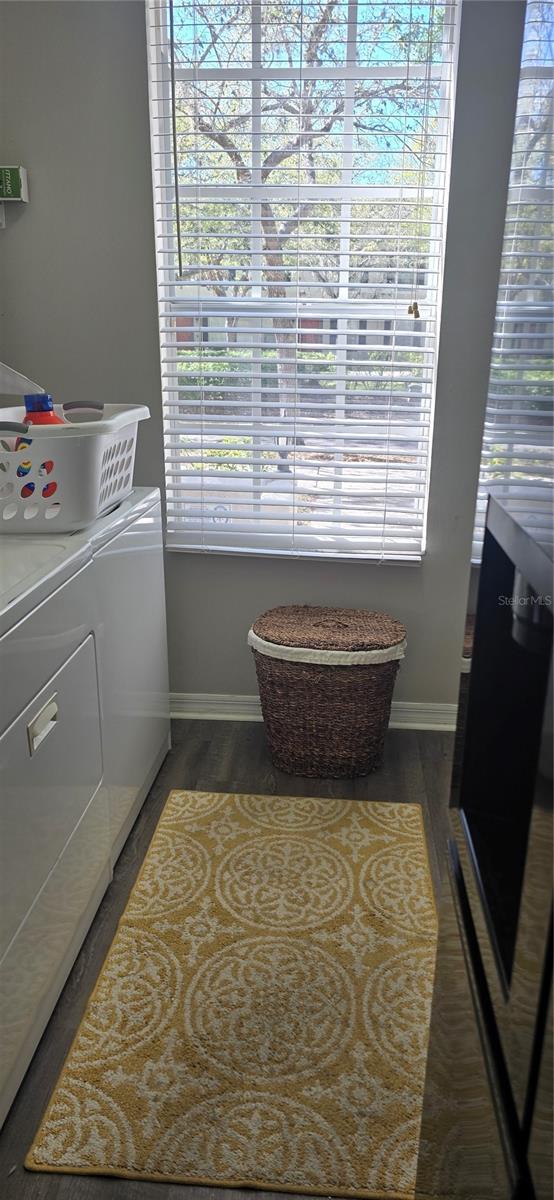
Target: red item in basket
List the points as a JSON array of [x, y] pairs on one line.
[[39, 410]]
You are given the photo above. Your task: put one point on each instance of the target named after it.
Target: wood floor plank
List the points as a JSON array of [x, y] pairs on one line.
[[206, 755]]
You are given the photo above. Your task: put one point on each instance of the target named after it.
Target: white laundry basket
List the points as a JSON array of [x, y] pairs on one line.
[[59, 478]]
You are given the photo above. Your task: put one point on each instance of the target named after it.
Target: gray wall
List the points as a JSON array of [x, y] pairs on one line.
[[78, 299], [77, 314]]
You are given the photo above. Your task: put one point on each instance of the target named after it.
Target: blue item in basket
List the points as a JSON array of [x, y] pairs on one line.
[[39, 410]]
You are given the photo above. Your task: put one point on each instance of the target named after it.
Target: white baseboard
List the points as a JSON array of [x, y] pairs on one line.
[[214, 706], [408, 715]]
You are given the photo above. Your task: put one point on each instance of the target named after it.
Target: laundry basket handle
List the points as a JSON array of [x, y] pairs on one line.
[[72, 405], [13, 427]]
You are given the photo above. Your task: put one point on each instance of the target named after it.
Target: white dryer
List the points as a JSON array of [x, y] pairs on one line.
[[84, 728]]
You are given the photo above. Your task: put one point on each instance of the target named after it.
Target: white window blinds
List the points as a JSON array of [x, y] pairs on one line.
[[516, 463], [300, 155]]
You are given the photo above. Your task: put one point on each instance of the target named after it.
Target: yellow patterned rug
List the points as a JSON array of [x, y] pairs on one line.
[[261, 1019]]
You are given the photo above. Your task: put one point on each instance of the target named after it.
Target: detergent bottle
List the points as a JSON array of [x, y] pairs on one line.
[[39, 410]]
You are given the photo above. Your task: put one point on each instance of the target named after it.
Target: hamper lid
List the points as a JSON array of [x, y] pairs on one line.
[[343, 629]]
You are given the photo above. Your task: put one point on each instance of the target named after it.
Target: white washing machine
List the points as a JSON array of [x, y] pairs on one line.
[[84, 728]]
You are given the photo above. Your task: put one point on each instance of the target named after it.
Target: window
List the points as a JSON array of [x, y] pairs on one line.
[[300, 154], [516, 463]]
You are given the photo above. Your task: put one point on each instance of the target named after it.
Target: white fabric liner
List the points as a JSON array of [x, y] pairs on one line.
[[333, 658]]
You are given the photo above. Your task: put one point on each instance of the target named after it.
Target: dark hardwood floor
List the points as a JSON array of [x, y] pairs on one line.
[[207, 756]]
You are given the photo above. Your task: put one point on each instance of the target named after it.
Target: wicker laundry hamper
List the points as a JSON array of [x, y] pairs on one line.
[[326, 678]]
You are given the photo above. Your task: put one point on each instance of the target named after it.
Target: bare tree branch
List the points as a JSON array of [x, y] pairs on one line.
[[222, 140], [304, 139], [318, 32]]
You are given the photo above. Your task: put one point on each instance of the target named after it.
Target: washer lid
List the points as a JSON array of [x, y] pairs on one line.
[[31, 567], [27, 565]]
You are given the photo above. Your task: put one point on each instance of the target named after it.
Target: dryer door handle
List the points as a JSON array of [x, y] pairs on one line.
[[43, 724]]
